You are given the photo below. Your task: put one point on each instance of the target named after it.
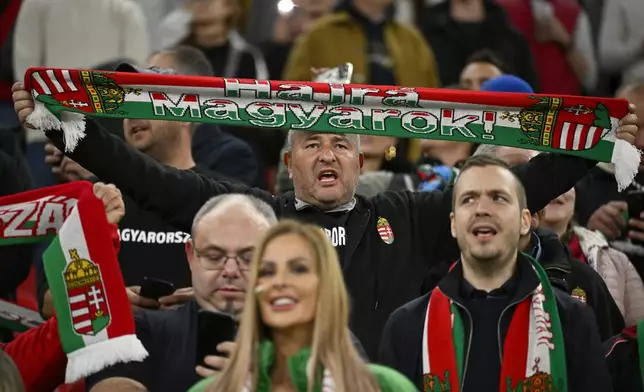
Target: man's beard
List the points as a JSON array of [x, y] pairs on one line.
[[485, 255]]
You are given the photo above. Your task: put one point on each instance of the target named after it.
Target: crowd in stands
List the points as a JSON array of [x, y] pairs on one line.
[[477, 237]]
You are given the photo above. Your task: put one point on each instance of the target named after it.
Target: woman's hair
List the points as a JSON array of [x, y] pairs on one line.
[[567, 236], [331, 348], [10, 379]]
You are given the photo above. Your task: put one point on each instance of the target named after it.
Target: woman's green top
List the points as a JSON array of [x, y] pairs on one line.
[[388, 379]]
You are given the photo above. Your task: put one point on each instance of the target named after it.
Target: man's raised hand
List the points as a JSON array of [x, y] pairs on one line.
[[23, 103], [112, 200]]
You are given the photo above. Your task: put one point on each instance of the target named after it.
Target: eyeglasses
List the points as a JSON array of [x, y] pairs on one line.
[[212, 260]]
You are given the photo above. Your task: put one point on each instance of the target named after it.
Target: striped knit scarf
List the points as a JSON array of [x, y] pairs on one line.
[[533, 351], [581, 126], [95, 322]]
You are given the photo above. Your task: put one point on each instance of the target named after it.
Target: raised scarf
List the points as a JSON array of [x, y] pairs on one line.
[[533, 352], [95, 322], [581, 126]]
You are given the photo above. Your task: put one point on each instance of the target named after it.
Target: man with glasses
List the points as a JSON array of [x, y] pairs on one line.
[[224, 233]]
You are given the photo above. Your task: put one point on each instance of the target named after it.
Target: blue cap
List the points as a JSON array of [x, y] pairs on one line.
[[507, 84]]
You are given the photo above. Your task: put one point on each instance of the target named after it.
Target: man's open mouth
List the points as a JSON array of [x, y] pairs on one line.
[[484, 231], [327, 176]]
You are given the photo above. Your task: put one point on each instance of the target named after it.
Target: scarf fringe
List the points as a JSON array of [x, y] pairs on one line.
[[590, 242], [95, 357], [41, 118], [626, 158], [71, 124]]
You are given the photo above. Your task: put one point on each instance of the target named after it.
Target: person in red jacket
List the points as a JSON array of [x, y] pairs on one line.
[[38, 353], [558, 33]]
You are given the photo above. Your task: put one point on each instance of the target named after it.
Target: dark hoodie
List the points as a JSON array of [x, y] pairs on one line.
[[14, 178], [454, 42], [624, 361], [578, 279]]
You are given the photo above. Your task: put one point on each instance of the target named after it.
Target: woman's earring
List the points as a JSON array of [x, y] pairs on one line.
[[390, 153]]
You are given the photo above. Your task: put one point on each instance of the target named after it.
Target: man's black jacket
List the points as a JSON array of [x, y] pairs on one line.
[[623, 360], [15, 260], [380, 276], [583, 280], [402, 339]]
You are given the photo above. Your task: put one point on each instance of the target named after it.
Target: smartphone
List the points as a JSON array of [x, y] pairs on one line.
[[635, 201], [213, 328], [155, 288]]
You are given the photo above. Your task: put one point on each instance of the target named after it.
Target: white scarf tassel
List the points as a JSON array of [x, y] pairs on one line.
[[590, 243], [626, 158], [71, 124]]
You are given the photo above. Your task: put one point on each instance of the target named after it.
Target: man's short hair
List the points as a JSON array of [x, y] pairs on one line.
[[258, 205], [486, 149], [487, 56], [352, 137], [188, 61], [483, 160]]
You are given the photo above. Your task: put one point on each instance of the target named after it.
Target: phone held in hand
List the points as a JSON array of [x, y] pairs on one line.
[[213, 328], [635, 201], [155, 288]]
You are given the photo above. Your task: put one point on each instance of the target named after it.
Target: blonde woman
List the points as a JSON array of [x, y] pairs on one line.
[[293, 334]]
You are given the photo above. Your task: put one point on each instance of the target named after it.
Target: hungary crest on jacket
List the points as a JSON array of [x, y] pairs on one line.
[[87, 301], [87, 91], [384, 230], [563, 123]]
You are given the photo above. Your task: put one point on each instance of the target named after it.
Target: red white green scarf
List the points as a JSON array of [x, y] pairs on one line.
[[533, 352], [95, 321], [581, 126]]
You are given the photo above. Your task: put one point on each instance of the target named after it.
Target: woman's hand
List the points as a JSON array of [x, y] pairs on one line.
[[216, 363]]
